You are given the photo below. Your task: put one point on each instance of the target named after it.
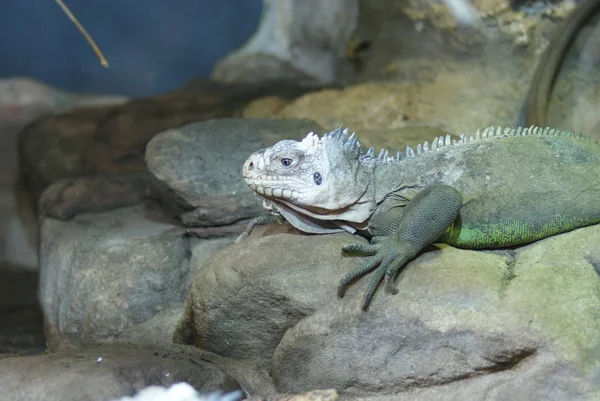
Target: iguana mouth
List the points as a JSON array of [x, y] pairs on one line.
[[265, 187]]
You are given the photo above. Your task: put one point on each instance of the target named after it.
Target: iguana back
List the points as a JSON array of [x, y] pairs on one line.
[[515, 189]]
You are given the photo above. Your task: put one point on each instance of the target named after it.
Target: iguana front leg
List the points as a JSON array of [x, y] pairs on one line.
[[399, 234], [262, 220]]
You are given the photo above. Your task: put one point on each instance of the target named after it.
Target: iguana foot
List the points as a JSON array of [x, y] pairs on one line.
[[260, 221], [399, 234], [386, 255]]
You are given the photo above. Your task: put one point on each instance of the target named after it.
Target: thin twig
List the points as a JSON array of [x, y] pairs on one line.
[[85, 34]]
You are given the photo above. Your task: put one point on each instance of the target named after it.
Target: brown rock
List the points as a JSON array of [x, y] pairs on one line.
[[449, 101], [264, 107]]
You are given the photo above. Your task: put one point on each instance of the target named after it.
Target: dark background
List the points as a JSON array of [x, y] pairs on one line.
[[151, 45]]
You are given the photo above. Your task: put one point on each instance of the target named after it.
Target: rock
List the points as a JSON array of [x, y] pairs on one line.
[[197, 167], [107, 372], [372, 110], [113, 139], [389, 106], [67, 198], [102, 275], [316, 395], [53, 148], [523, 323], [264, 107], [23, 100], [298, 40]]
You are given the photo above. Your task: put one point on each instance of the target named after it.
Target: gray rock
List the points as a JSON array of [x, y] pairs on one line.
[[106, 372], [92, 194], [197, 167], [115, 276], [302, 41], [22, 100], [520, 324]]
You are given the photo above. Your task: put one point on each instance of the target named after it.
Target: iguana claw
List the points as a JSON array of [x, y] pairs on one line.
[[260, 221], [386, 257]]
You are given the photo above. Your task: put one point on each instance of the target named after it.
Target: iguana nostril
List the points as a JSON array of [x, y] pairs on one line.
[[251, 165]]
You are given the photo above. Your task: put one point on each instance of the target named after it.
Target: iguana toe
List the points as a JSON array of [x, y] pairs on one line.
[[361, 249], [365, 267]]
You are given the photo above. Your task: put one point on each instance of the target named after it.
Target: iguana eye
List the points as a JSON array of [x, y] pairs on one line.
[[286, 162], [318, 179]]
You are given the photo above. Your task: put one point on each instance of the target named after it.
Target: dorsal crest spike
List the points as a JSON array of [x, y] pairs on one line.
[[336, 134], [352, 145]]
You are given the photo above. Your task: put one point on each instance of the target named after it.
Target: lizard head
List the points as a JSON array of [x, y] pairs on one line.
[[320, 177]]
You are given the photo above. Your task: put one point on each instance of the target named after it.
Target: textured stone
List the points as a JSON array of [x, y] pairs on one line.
[[316, 395], [113, 139], [103, 273], [389, 106], [100, 193], [53, 148], [523, 323], [197, 167], [106, 372], [300, 41], [23, 100]]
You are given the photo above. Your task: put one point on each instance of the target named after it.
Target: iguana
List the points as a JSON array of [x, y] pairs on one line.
[[498, 188]]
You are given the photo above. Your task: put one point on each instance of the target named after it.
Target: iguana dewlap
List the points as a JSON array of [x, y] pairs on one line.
[[497, 188]]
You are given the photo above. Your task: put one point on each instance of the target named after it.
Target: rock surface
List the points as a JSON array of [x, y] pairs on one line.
[[99, 193], [449, 101], [316, 395], [197, 168], [115, 276], [106, 372], [302, 41], [23, 100], [452, 68], [112, 139], [523, 323]]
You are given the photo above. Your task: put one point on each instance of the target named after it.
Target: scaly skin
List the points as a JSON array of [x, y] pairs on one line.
[[497, 189]]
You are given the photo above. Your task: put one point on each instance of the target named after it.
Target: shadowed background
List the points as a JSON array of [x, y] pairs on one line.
[[152, 46]]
